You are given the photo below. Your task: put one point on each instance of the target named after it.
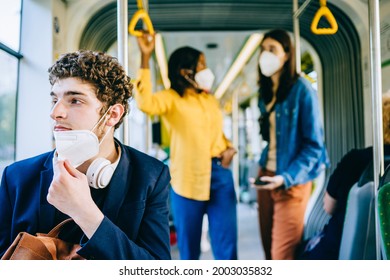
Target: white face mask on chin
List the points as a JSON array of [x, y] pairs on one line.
[[269, 63], [78, 146], [205, 79]]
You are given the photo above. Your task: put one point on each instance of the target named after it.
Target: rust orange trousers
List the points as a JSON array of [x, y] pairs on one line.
[[281, 218]]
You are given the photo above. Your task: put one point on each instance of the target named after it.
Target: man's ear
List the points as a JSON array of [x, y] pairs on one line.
[[115, 114]]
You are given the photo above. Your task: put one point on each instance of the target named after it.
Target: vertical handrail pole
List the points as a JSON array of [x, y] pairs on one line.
[[122, 24], [296, 37], [148, 121], [235, 141], [376, 92]]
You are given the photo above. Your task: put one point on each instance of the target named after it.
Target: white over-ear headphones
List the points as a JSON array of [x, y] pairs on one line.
[[99, 173]]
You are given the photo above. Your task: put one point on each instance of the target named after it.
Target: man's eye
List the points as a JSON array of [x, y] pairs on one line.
[[75, 101], [53, 101]]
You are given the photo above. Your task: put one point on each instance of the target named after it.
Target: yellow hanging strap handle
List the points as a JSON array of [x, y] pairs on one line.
[[324, 11], [140, 14]]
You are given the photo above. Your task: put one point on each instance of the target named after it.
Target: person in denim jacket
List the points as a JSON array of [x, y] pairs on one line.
[[295, 154]]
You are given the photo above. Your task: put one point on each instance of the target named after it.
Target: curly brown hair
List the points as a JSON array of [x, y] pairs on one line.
[[386, 117], [99, 69]]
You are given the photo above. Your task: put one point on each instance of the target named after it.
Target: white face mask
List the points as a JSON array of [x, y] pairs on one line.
[[205, 79], [269, 63], [78, 146]]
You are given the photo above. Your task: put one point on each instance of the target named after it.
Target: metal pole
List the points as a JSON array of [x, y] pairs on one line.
[[298, 13], [122, 15], [296, 37], [148, 122], [235, 141], [376, 92]]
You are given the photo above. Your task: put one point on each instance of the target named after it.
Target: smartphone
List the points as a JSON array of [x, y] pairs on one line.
[[259, 182]]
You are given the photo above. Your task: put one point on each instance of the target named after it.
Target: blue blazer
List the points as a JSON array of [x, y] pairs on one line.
[[135, 225]]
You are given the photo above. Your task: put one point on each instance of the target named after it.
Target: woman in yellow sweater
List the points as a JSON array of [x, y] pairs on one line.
[[202, 182]]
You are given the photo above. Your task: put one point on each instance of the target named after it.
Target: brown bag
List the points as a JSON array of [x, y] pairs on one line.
[[42, 246]]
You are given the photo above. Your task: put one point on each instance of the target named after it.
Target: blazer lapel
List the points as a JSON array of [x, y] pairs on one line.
[[46, 210], [119, 185], [118, 188]]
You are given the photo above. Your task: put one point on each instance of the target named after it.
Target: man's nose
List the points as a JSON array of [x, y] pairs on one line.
[[58, 111]]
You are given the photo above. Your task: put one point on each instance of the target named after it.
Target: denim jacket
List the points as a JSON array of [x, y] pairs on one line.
[[300, 150]]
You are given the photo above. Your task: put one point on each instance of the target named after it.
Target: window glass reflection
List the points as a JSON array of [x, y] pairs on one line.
[[10, 18], [8, 89]]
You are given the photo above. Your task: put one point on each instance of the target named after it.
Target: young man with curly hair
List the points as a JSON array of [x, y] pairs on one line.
[[116, 195]]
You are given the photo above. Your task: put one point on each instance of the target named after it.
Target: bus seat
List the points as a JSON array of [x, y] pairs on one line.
[[384, 212], [358, 237], [384, 218], [358, 241], [386, 175]]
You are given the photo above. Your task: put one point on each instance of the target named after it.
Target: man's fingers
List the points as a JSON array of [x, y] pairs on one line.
[[71, 170], [58, 166]]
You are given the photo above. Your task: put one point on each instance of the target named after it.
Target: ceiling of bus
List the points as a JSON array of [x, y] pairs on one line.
[[340, 54], [225, 24], [202, 15]]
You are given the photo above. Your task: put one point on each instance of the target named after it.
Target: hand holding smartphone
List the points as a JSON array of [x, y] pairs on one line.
[[258, 182]]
